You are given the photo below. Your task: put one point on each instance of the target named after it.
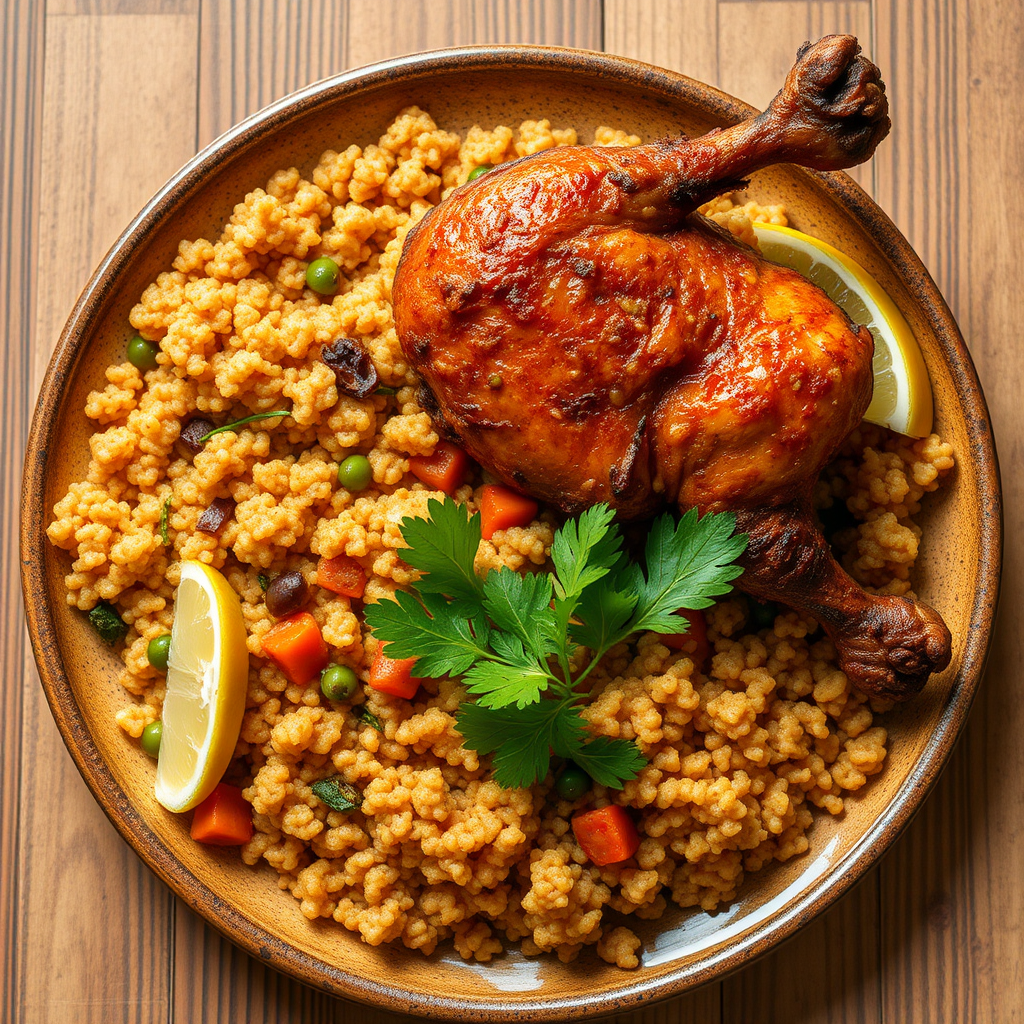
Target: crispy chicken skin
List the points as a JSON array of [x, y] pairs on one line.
[[587, 337]]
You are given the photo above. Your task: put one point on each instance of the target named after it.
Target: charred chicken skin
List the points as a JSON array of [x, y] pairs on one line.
[[587, 337]]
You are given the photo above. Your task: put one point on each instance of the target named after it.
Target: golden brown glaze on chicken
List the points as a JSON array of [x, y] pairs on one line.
[[588, 338]]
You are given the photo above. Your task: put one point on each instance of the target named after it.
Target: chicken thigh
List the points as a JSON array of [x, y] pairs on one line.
[[587, 337]]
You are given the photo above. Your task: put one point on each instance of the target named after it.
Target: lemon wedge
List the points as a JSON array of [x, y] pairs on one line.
[[207, 675], [902, 397]]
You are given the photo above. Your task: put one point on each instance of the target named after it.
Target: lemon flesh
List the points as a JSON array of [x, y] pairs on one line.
[[902, 396], [207, 675]]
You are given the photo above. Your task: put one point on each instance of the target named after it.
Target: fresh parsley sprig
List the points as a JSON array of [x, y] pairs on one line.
[[514, 638]]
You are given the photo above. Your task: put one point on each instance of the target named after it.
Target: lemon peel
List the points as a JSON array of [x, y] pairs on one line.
[[902, 396], [207, 677]]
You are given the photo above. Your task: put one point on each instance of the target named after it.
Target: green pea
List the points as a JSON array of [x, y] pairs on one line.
[[151, 737], [322, 276], [572, 783], [762, 614], [338, 682], [142, 353], [354, 473], [157, 651], [479, 172]]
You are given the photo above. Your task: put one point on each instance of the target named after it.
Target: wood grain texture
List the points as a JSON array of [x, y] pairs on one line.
[[131, 88], [252, 52], [953, 901], [77, 7], [413, 25], [712, 40], [94, 928], [21, 82]]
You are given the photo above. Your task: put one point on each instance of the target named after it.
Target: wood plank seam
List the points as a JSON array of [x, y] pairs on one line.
[[22, 88]]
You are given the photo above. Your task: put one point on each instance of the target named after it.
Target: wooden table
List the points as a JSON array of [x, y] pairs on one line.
[[104, 99]]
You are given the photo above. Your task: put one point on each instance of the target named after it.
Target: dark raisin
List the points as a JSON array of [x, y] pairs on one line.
[[286, 594], [215, 518], [353, 368], [193, 431]]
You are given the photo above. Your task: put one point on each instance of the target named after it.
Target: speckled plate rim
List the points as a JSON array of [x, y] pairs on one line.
[[248, 934]]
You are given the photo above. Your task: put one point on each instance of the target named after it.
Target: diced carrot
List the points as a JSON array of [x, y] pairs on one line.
[[446, 470], [393, 675], [296, 646], [501, 508], [341, 574], [607, 834], [223, 818], [694, 641]]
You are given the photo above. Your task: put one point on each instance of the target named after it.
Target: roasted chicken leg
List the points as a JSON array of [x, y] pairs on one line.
[[587, 337]]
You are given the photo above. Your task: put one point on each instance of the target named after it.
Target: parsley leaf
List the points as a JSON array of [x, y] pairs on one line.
[[522, 739], [688, 563], [584, 550], [110, 626], [443, 547], [444, 641], [502, 684], [602, 614], [365, 715], [520, 606], [610, 762], [338, 795]]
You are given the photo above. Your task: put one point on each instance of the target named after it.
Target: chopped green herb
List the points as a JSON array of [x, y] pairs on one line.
[[105, 620], [364, 714], [263, 580], [512, 637], [338, 795], [383, 389], [165, 514], [246, 419]]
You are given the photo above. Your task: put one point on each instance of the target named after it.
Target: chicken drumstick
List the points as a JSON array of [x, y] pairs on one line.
[[587, 337]]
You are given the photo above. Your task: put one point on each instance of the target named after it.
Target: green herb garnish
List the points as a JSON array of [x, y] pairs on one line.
[[364, 714], [105, 620], [512, 637], [263, 580], [338, 795], [165, 513], [384, 389], [239, 423]]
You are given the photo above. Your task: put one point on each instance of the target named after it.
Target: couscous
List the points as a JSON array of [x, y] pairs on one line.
[[744, 742]]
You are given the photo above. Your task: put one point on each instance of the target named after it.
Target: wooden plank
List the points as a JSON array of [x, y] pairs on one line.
[[828, 972], [241, 69], [255, 51], [21, 104], [952, 896], [779, 28], [94, 926], [252, 52], [387, 28], [677, 37], [54, 7], [682, 36]]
